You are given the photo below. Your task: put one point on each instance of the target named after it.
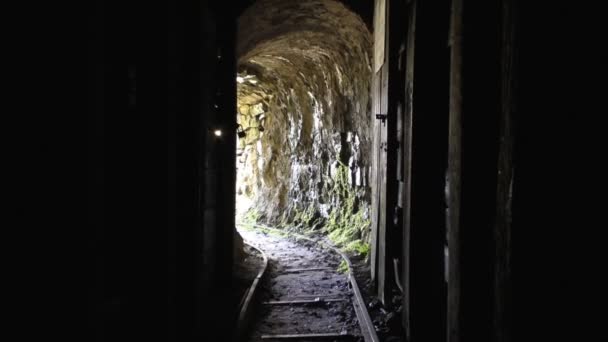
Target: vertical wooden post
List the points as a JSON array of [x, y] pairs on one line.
[[407, 157], [473, 159], [454, 172], [384, 145], [428, 84], [376, 90], [502, 230]]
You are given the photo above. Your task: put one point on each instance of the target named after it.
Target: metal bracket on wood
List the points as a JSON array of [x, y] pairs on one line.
[[381, 117]]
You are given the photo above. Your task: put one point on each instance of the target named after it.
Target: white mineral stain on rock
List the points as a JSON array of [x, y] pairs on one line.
[[313, 83]]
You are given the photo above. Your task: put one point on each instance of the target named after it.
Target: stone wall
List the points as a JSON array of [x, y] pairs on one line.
[[304, 76]]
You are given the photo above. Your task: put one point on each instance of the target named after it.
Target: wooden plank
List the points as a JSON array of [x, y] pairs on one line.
[[502, 231], [455, 157], [407, 159], [385, 171], [427, 289], [382, 231], [379, 33], [373, 175], [378, 181], [325, 336], [317, 300], [314, 296], [298, 270]]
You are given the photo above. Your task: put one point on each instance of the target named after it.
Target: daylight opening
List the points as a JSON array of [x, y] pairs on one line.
[[303, 100]]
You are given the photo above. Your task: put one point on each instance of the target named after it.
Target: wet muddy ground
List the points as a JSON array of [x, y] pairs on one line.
[[301, 270]]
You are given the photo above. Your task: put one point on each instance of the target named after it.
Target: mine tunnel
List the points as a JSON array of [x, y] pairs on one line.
[[363, 170], [304, 124], [304, 72]]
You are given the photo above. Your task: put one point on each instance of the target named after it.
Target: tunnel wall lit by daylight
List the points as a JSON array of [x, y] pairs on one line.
[[303, 88]]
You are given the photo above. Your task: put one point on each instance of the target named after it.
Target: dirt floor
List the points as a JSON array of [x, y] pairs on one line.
[[285, 282]]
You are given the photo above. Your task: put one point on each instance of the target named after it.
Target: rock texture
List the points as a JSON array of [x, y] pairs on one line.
[[304, 77]]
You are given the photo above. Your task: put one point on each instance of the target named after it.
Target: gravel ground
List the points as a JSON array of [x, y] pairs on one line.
[[281, 284]]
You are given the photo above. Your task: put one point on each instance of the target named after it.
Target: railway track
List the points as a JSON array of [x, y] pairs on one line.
[[301, 295]]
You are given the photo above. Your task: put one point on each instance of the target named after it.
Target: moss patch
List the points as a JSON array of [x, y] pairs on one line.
[[359, 247], [343, 267], [347, 225], [251, 217]]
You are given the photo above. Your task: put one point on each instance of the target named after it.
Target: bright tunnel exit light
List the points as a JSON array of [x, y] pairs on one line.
[[218, 133]]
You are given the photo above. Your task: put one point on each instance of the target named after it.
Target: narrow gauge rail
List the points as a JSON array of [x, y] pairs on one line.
[[305, 306]]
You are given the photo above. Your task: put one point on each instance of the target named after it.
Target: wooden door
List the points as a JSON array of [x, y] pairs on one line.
[[377, 176]]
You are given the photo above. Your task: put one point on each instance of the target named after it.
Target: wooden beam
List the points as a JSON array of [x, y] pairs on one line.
[[327, 336], [454, 171], [299, 270], [305, 301]]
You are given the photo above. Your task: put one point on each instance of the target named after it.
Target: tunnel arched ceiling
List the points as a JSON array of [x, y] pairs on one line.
[[304, 75]]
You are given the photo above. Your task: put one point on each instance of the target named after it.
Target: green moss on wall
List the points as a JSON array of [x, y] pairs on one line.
[[347, 226], [252, 216]]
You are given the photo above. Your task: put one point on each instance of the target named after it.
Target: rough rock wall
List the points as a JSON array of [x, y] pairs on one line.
[[304, 76]]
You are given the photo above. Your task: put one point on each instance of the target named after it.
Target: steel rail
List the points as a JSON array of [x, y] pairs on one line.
[[244, 317], [365, 322]]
